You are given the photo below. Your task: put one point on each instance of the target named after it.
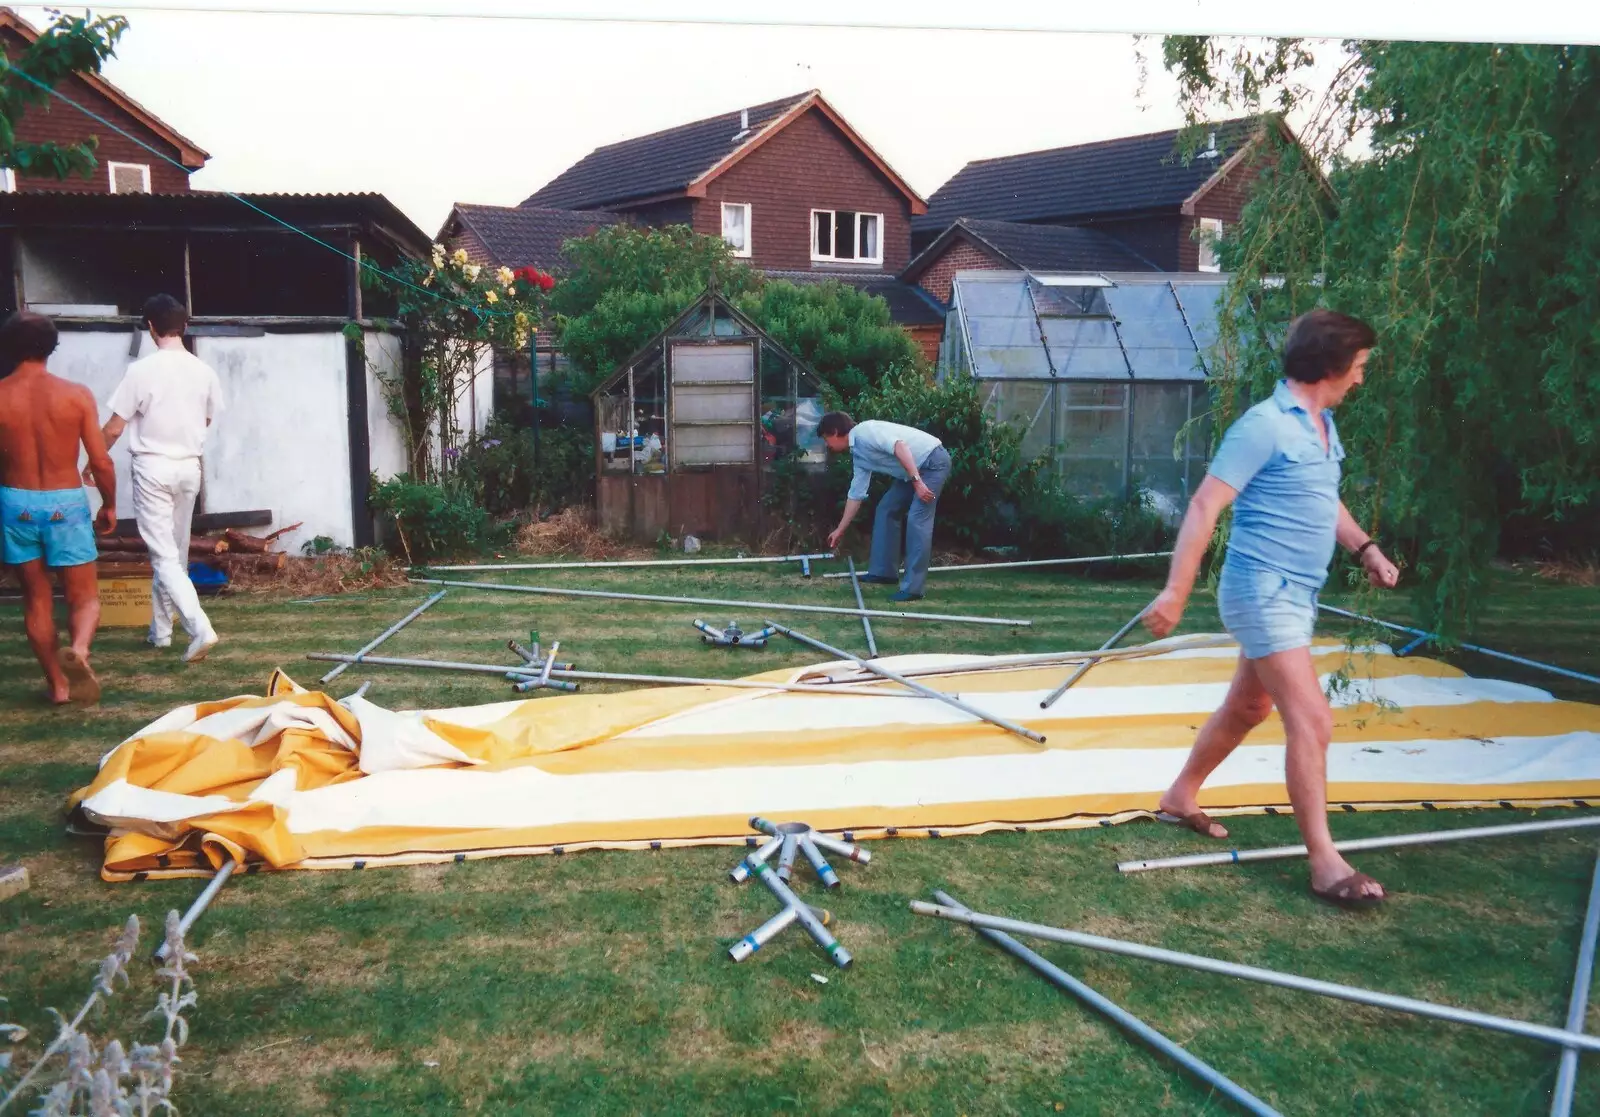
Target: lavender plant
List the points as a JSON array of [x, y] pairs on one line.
[[113, 1081]]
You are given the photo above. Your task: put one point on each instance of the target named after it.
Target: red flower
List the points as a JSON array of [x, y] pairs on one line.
[[547, 281]]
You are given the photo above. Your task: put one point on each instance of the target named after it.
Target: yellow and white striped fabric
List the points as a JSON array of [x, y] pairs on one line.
[[296, 780]]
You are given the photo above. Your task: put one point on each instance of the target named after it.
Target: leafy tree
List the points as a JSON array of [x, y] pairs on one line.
[[70, 45], [1469, 236]]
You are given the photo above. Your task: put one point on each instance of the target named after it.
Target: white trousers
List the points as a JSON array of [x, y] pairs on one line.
[[164, 492]]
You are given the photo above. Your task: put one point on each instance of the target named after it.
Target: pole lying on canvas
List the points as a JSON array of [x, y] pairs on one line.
[[1025, 563], [1430, 837], [1423, 637], [778, 606], [628, 563], [1450, 1013], [1578, 1007], [1083, 668], [384, 635], [879, 669], [1120, 1016], [866, 621]]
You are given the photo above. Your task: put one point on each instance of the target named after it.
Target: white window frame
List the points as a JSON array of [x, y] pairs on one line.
[[749, 233], [8, 180], [819, 258], [111, 174], [1209, 233]]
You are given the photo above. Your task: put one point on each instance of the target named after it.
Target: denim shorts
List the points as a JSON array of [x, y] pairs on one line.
[[1266, 612], [53, 525]]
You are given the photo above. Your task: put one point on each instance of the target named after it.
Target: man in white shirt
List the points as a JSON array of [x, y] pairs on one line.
[[919, 465], [165, 402]]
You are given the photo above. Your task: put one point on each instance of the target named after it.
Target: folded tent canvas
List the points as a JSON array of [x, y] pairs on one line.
[[294, 780]]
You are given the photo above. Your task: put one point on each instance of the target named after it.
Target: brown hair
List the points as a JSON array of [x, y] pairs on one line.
[[1323, 343], [26, 336], [835, 424], [165, 315]]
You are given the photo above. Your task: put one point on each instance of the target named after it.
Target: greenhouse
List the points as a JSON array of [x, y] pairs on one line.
[[1104, 373]]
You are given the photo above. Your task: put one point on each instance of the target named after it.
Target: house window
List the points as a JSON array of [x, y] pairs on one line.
[[1210, 233], [841, 234], [130, 178], [736, 226]]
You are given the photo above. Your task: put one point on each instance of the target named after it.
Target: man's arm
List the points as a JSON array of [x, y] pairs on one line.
[[104, 474], [1380, 571], [902, 454], [851, 507], [1199, 524], [114, 428]]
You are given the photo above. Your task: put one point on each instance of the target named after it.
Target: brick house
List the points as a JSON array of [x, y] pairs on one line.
[[973, 244], [1164, 205], [518, 236], [124, 167]]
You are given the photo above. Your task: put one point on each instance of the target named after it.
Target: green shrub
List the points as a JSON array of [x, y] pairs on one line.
[[432, 521]]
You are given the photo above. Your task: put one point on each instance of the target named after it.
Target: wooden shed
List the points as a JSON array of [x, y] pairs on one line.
[[690, 429]]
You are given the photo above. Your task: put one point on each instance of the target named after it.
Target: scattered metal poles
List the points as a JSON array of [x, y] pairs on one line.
[[1120, 1016], [788, 839], [879, 669], [201, 903], [1424, 637], [388, 632], [525, 672], [1031, 562], [1454, 1015], [1088, 663], [543, 680], [803, 560], [777, 606], [866, 622], [1578, 1007], [733, 636], [1278, 853]]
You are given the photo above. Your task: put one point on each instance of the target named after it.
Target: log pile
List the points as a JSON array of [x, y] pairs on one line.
[[232, 551]]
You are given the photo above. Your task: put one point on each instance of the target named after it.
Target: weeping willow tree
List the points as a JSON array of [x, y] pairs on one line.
[[1468, 233]]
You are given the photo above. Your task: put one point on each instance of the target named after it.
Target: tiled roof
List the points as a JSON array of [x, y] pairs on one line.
[[660, 163], [909, 305], [1043, 247], [527, 236], [1127, 175]]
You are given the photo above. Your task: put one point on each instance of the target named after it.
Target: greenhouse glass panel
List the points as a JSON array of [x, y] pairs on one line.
[[1070, 302], [1153, 332], [1002, 329], [1025, 405], [1085, 348], [1157, 449], [1202, 303]]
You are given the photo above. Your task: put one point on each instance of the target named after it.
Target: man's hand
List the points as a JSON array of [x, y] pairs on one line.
[[834, 536], [924, 493], [88, 476], [105, 520], [1380, 571], [1164, 613]]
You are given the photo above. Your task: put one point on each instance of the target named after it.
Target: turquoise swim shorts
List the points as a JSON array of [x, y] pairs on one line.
[[53, 525]]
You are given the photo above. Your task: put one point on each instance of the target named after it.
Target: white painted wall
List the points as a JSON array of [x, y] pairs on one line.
[[385, 435], [282, 441]]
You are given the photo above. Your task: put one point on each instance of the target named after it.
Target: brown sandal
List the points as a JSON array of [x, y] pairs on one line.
[[1347, 893], [82, 687], [1198, 821]]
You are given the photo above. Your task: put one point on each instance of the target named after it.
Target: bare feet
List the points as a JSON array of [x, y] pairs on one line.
[[1190, 815], [1335, 880], [82, 686]]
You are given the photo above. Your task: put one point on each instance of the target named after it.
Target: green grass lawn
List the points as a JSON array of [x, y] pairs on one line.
[[599, 983]]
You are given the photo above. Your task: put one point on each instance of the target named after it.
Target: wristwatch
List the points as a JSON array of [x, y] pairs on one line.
[[1361, 550]]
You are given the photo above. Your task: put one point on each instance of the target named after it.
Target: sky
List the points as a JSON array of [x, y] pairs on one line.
[[431, 109]]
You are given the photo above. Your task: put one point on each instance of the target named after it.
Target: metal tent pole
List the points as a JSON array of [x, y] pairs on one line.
[[627, 563], [879, 669], [1578, 1007], [384, 635], [1425, 636], [866, 622], [201, 903], [1086, 664], [1278, 853], [527, 671], [1120, 1016], [1025, 563], [779, 606], [1428, 1009]]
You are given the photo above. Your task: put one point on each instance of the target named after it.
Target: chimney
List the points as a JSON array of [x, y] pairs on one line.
[[744, 124], [1211, 146]]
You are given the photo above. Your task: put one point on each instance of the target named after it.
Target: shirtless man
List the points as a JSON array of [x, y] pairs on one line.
[[43, 507]]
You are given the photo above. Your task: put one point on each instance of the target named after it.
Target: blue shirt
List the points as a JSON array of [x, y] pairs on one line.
[[1287, 512], [872, 451]]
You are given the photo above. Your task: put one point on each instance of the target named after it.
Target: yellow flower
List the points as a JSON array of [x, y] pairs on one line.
[[490, 296], [427, 280], [506, 276], [472, 271], [459, 256], [511, 291]]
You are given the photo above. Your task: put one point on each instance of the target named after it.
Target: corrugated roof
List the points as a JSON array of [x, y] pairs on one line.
[[660, 163], [528, 236], [909, 305], [1127, 175]]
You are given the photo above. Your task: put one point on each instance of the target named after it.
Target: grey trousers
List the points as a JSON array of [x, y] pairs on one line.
[[901, 514]]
